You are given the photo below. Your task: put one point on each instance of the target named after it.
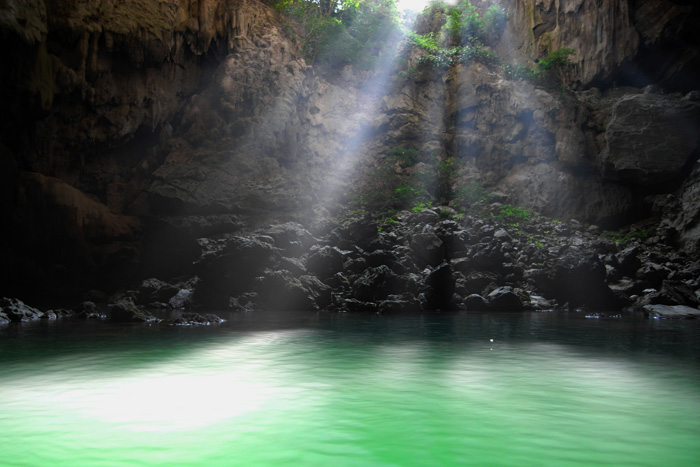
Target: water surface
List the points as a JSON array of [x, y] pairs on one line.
[[356, 390]]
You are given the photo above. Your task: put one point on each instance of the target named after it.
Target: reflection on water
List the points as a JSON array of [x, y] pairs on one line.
[[534, 389]]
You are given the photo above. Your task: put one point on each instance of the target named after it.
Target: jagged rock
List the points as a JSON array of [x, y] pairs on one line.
[[671, 293], [125, 311], [650, 139], [396, 304], [182, 299], [290, 237], [17, 311], [375, 284], [154, 290], [428, 248], [326, 261]]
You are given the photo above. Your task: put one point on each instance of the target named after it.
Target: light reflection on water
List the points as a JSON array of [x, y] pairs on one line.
[[353, 391]]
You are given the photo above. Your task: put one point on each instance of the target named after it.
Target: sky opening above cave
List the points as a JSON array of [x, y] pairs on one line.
[[418, 5]]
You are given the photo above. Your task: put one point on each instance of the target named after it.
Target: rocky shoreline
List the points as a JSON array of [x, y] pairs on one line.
[[503, 259]]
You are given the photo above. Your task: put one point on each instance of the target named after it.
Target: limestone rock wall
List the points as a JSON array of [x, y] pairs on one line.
[[135, 127]]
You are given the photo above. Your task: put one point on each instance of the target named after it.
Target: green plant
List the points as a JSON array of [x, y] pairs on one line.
[[404, 157], [624, 238], [512, 214], [421, 206]]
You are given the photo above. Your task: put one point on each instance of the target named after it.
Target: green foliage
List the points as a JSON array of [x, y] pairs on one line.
[[334, 33], [395, 183], [404, 157], [550, 70], [465, 26], [471, 196], [421, 207], [620, 237], [556, 60], [512, 214]]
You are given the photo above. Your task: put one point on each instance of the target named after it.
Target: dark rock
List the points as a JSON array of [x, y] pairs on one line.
[[577, 277], [628, 260], [375, 284], [87, 310], [291, 237], [125, 311], [228, 268], [17, 311], [671, 293], [396, 304], [154, 290], [196, 319], [650, 139], [428, 249], [653, 274], [182, 299], [441, 288], [475, 302], [294, 265], [280, 290], [671, 311], [504, 299], [326, 261], [354, 305]]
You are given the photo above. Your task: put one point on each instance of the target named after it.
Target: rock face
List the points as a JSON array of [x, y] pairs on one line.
[[650, 139], [137, 128]]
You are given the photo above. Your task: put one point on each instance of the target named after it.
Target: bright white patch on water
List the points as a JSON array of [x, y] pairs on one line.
[[203, 388]]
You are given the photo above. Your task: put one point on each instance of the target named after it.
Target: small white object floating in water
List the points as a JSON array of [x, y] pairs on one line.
[[491, 340]]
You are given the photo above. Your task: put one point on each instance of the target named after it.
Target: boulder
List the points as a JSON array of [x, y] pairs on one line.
[[504, 299]]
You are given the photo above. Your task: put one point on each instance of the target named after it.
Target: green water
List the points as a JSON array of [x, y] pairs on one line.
[[342, 390]]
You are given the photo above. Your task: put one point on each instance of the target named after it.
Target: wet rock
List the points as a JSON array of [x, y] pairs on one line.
[[475, 302], [87, 310], [504, 299], [17, 311], [125, 311], [672, 311], [396, 304], [196, 319], [357, 306], [4, 319]]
